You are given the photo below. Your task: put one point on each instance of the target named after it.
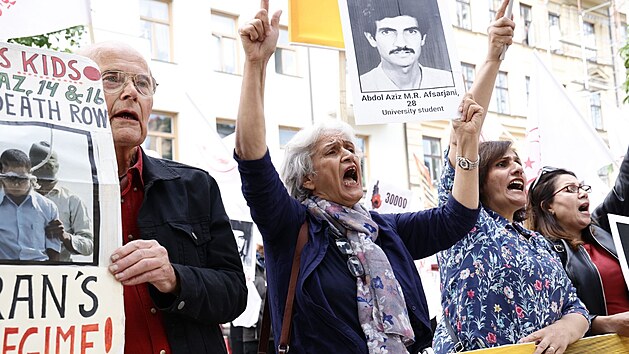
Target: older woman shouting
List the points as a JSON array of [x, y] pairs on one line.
[[357, 290]]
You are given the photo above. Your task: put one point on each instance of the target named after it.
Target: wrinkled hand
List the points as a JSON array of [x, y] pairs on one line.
[[500, 33], [144, 261], [55, 229], [550, 339], [471, 120], [259, 36]]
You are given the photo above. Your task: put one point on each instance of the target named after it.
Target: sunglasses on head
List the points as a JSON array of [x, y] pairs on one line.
[[544, 170]]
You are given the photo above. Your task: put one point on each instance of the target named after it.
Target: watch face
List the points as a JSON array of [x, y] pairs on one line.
[[464, 164]]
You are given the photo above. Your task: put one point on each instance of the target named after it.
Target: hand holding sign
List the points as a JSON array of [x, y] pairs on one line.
[[144, 261]]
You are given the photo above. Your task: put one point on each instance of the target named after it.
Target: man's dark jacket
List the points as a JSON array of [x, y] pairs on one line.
[[183, 211]]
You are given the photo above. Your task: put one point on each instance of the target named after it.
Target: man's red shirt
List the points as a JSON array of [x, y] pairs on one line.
[[144, 326]]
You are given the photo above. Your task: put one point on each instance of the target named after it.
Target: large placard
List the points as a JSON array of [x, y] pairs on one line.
[[401, 59], [53, 113]]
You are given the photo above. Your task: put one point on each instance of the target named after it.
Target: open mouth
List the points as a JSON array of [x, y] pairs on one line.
[[127, 115], [585, 207], [516, 184], [350, 177]]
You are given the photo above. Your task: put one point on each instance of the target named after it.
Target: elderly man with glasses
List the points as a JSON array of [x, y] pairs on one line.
[[179, 262], [24, 214]]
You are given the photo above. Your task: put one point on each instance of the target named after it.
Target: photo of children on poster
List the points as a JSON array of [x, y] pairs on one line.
[[59, 207], [401, 59]]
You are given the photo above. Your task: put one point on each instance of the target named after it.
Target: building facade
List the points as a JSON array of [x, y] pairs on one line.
[[197, 59]]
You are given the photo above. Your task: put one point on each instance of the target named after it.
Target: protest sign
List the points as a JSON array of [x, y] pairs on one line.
[[53, 118], [401, 60], [389, 198], [619, 226]]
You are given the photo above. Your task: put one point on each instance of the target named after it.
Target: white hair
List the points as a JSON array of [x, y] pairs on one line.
[[299, 150]]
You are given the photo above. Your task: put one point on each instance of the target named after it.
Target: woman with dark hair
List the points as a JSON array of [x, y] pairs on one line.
[[502, 284], [558, 207]]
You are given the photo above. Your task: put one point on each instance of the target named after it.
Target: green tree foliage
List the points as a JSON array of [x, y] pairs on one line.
[[67, 40]]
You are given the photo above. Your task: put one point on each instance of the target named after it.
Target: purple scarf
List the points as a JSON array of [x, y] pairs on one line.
[[382, 311]]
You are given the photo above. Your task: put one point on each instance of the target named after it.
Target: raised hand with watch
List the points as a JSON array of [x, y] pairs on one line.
[[466, 163]]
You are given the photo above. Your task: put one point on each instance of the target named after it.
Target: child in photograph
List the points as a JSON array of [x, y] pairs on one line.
[[24, 214]]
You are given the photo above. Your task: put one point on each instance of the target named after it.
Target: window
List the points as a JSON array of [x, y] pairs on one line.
[[463, 14], [224, 36], [500, 103], [161, 135], [554, 32], [595, 110], [433, 157], [225, 127], [494, 5], [527, 17], [285, 55], [155, 22], [286, 133], [589, 37], [468, 74]]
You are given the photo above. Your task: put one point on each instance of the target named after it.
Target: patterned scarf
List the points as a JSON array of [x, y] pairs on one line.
[[382, 311]]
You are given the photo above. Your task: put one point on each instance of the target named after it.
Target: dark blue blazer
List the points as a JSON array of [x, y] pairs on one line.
[[403, 237]]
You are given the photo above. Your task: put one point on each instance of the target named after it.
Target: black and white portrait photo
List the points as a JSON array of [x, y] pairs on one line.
[[399, 45], [49, 209]]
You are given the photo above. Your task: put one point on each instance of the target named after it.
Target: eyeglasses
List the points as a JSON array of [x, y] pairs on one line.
[[353, 263], [114, 81], [573, 188], [16, 180], [543, 171]]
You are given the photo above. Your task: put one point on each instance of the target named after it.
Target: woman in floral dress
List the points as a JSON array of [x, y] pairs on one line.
[[502, 284]]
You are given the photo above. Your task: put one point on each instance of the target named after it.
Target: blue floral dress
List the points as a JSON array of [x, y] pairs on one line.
[[499, 283]]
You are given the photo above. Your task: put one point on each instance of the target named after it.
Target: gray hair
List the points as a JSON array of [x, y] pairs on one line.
[[299, 150]]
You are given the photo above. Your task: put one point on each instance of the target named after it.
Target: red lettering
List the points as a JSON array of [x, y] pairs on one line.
[[47, 344], [18, 340], [65, 336], [6, 347], [32, 330], [77, 73], [44, 64], [58, 67], [7, 63], [28, 62], [108, 334], [84, 330]]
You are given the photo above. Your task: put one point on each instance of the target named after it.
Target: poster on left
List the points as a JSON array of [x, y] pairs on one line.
[[59, 206]]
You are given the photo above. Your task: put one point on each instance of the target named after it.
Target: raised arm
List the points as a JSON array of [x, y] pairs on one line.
[[500, 34], [467, 131], [259, 39]]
